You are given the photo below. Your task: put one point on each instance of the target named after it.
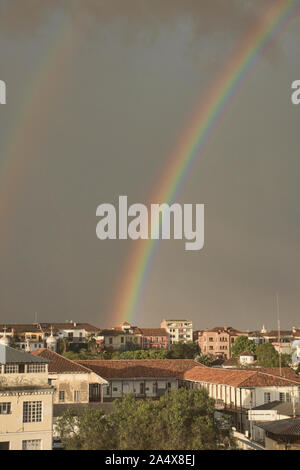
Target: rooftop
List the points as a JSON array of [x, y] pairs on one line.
[[283, 408], [282, 427], [241, 377], [110, 369], [60, 364], [10, 355]]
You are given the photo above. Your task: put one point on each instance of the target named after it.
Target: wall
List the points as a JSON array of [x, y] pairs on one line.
[[12, 427]]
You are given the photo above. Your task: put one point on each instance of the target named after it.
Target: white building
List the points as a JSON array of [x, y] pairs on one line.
[[238, 390], [143, 378], [180, 331], [26, 401]]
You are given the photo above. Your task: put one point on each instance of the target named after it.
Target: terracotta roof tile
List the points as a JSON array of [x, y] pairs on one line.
[[109, 369], [59, 364], [240, 377]]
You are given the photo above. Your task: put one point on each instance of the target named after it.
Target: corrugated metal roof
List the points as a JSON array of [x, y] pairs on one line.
[[283, 427], [10, 355]]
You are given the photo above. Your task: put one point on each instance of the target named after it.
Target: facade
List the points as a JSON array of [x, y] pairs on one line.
[[180, 331], [237, 391], [26, 401], [142, 378], [120, 337], [154, 338], [73, 382], [218, 341]]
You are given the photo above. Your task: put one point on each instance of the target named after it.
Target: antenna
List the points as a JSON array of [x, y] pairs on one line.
[[278, 325]]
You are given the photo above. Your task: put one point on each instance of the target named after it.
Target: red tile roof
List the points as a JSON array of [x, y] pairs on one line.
[[153, 331], [223, 329], [109, 369], [241, 377], [59, 364]]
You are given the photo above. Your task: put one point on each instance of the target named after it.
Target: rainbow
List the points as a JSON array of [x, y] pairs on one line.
[[30, 126], [188, 149]]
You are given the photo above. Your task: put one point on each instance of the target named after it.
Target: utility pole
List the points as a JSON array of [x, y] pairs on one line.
[[278, 325]]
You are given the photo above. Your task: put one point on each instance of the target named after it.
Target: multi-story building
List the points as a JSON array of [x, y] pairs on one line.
[[26, 401], [154, 338], [218, 341], [119, 337], [180, 331]]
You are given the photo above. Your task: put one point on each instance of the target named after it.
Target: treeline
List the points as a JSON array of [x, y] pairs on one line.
[[265, 353], [176, 351], [181, 419]]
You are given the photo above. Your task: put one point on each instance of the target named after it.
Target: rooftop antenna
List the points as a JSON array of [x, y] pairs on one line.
[[278, 325]]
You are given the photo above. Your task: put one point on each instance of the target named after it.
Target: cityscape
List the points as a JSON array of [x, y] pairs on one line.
[[49, 369], [149, 229]]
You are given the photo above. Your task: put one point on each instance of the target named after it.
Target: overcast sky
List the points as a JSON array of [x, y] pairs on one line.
[[98, 95]]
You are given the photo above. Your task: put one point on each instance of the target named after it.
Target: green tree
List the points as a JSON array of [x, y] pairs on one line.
[[267, 356], [204, 359], [62, 345], [183, 350], [241, 344], [90, 430], [181, 419]]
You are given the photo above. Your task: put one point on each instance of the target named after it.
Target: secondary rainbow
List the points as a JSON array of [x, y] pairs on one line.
[[29, 127], [188, 149]]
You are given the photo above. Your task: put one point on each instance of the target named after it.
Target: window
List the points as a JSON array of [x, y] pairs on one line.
[[4, 445], [110, 341], [5, 408], [36, 368], [267, 397], [285, 397], [32, 444], [11, 369], [32, 411], [76, 395], [61, 395]]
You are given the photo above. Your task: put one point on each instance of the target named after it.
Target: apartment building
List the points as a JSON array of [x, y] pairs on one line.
[[73, 382], [26, 401], [217, 342], [180, 331]]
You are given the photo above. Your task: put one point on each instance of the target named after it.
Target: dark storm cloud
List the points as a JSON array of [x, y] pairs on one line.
[[21, 16], [125, 98]]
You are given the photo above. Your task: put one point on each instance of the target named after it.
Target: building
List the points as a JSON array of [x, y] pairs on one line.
[[154, 338], [246, 359], [238, 390], [218, 341], [119, 337], [180, 331], [124, 336], [73, 382], [283, 434], [34, 336], [26, 401], [143, 378]]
